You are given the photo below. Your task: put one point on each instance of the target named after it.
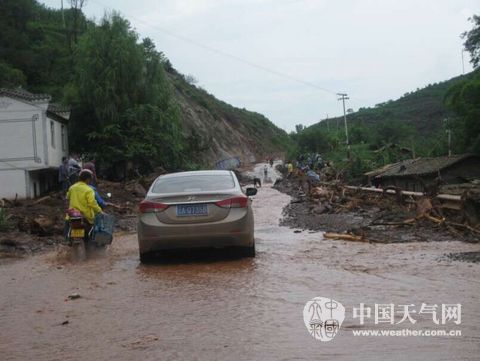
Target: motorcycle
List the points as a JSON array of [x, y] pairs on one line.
[[79, 233], [83, 237]]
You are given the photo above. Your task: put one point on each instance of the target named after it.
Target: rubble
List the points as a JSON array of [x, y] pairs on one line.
[[38, 224], [74, 296], [380, 216]]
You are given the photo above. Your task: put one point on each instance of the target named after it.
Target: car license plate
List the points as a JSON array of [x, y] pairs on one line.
[[192, 210], [77, 233]]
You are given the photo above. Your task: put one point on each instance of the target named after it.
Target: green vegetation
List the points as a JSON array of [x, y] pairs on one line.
[[414, 125], [4, 222], [36, 47], [121, 99], [472, 41], [121, 89]]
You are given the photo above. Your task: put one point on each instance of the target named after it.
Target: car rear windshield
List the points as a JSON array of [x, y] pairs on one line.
[[194, 183]]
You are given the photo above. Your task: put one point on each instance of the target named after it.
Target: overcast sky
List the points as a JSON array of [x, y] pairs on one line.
[[374, 50]]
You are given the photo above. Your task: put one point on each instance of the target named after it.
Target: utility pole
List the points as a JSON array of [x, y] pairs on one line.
[[63, 15], [343, 97], [449, 142], [449, 136]]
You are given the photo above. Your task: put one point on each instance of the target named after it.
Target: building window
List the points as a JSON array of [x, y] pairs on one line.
[[64, 140], [52, 133]]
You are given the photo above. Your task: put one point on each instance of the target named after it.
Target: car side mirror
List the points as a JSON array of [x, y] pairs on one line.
[[251, 192]]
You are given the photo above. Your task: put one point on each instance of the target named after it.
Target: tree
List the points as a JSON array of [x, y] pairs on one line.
[[76, 6], [472, 42], [123, 108], [11, 77], [313, 141], [33, 47], [299, 128], [190, 79], [464, 99]]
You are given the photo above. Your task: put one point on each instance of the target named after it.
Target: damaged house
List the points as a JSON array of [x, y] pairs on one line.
[[33, 140], [415, 174]]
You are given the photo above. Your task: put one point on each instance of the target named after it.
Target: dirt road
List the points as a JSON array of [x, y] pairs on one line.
[[243, 309]]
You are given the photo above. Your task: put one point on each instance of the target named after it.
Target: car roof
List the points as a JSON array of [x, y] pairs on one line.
[[196, 172]]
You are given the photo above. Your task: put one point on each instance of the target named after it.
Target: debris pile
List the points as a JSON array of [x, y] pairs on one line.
[[35, 224], [381, 216]]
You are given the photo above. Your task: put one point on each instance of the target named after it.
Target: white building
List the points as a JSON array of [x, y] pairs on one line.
[[33, 140]]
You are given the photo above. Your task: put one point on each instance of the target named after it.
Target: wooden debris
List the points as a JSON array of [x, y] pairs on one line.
[[344, 236], [463, 227], [40, 200]]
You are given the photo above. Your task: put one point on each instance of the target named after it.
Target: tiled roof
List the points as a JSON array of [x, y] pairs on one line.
[[418, 166], [20, 93], [58, 108], [59, 112], [377, 171]]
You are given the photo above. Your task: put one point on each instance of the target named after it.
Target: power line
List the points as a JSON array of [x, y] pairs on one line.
[[225, 54]]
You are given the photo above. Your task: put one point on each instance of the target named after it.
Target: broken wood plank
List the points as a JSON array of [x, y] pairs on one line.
[[40, 200], [463, 226], [344, 236]]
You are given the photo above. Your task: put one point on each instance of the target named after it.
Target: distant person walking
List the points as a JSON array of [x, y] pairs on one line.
[[73, 169], [265, 172], [91, 167], [289, 169], [63, 175]]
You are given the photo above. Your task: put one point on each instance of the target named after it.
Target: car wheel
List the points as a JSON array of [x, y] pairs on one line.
[[248, 251], [146, 257]]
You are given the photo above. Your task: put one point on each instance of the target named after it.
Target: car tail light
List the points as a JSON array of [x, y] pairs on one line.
[[151, 207], [235, 202]]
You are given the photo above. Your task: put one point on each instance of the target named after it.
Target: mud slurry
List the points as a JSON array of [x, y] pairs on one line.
[[233, 309]]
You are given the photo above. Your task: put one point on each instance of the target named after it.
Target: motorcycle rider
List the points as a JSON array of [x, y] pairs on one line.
[[81, 197]]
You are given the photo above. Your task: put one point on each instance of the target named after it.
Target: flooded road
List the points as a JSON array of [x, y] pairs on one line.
[[234, 309]]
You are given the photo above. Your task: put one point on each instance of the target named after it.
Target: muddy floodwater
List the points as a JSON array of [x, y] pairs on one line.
[[219, 308]]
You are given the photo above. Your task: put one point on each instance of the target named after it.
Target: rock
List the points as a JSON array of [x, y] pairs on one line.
[[43, 226], [139, 191], [319, 209], [136, 189], [74, 296]]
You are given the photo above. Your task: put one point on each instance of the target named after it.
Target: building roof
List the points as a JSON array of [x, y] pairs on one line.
[[23, 94], [378, 171], [418, 166], [59, 112]]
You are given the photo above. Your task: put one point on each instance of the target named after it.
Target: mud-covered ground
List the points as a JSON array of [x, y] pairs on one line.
[[369, 217], [37, 225], [211, 307]]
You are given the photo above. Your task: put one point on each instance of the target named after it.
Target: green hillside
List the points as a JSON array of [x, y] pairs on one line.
[[129, 105], [414, 125], [424, 109]]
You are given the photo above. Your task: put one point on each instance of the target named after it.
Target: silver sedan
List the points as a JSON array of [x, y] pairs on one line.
[[194, 210]]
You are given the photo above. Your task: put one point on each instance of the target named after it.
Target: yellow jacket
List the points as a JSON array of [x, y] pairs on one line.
[[82, 198]]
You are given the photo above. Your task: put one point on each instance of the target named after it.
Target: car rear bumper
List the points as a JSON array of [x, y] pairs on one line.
[[235, 230]]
